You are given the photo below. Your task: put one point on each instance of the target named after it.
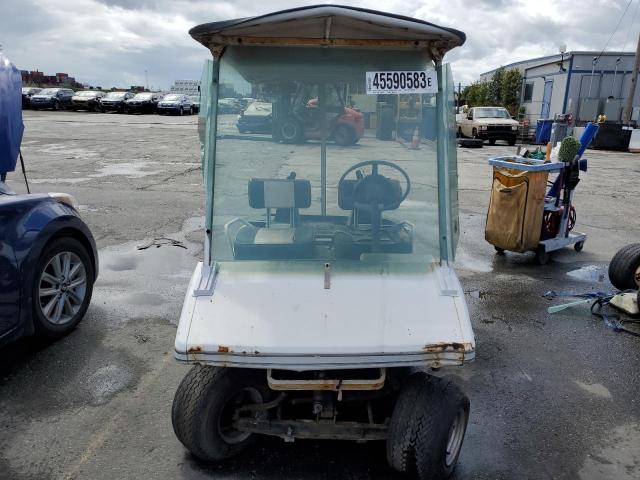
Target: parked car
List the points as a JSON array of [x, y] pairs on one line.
[[257, 118], [48, 265], [195, 102], [245, 102], [229, 105], [115, 101], [144, 102], [175, 103], [52, 98], [87, 100], [489, 123], [27, 93]]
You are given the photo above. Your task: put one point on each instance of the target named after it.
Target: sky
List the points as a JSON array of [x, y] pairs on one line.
[[112, 42]]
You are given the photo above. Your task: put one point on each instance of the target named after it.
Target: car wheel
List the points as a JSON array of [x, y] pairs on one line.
[[181, 112], [459, 132], [492, 141], [205, 406], [512, 142], [56, 106], [474, 133], [343, 136], [427, 427], [624, 269], [291, 131], [62, 289]]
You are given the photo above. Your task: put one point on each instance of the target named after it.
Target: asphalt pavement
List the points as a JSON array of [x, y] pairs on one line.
[[553, 396]]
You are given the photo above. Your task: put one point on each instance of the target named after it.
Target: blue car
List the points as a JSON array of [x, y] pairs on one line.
[[48, 265]]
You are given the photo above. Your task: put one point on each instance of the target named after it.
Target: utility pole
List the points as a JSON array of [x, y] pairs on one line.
[[146, 80], [626, 117]]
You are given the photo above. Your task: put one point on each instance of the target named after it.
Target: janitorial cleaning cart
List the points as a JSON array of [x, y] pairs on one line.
[[523, 215]]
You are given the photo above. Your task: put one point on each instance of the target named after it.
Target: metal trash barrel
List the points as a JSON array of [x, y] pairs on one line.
[[559, 128]]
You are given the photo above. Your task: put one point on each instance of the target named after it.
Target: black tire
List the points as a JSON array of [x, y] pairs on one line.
[[343, 136], [42, 325], [492, 141], [474, 133], [512, 142], [291, 131], [578, 246], [192, 111], [423, 418], [624, 269], [542, 256], [459, 133], [181, 112], [199, 407], [56, 106]]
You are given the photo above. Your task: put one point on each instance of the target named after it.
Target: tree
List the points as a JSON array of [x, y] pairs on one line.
[[502, 90]]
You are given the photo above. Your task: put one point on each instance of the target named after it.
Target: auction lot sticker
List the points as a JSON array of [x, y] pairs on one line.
[[385, 83]]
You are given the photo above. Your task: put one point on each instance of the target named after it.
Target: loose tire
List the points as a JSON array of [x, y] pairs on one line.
[[624, 269], [291, 131], [62, 287], [203, 407], [427, 427], [343, 136]]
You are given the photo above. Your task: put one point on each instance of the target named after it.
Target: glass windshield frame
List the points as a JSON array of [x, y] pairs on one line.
[[446, 154], [491, 112]]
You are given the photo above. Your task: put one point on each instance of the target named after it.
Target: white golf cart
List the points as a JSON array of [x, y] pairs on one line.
[[325, 298]]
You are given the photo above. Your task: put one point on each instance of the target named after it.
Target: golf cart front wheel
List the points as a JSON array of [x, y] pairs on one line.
[[427, 427], [578, 246], [624, 269], [206, 404]]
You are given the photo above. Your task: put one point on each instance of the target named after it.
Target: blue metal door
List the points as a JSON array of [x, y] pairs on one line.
[[546, 99]]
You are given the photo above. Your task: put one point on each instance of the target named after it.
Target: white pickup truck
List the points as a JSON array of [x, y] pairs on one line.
[[488, 123]]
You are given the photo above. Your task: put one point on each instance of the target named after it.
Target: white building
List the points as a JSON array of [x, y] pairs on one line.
[[584, 84]]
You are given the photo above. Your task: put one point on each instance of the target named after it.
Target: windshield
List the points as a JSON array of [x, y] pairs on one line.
[[48, 91], [142, 96], [171, 97], [490, 112], [86, 94], [300, 177], [116, 95]]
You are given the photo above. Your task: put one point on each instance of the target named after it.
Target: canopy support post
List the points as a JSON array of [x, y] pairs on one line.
[[443, 175], [209, 156]]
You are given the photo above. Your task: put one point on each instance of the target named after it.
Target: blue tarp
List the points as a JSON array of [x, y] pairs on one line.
[[11, 126]]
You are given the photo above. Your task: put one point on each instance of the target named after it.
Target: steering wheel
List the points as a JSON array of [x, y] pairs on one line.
[[375, 191]]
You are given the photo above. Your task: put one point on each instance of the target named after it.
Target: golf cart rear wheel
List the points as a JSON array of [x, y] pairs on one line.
[[291, 131], [204, 407], [427, 427], [624, 269]]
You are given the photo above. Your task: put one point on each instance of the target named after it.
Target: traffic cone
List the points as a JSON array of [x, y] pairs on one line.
[[415, 140]]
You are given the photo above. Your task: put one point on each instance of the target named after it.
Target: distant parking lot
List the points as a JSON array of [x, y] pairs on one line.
[[552, 396]]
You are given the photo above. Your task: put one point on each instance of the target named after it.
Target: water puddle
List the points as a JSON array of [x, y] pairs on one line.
[[130, 169], [147, 283], [465, 261], [619, 456], [59, 180], [590, 273]]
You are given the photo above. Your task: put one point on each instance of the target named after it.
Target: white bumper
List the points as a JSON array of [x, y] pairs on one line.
[[280, 316]]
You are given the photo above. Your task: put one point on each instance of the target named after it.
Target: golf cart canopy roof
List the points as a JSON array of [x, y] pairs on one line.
[[330, 25]]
